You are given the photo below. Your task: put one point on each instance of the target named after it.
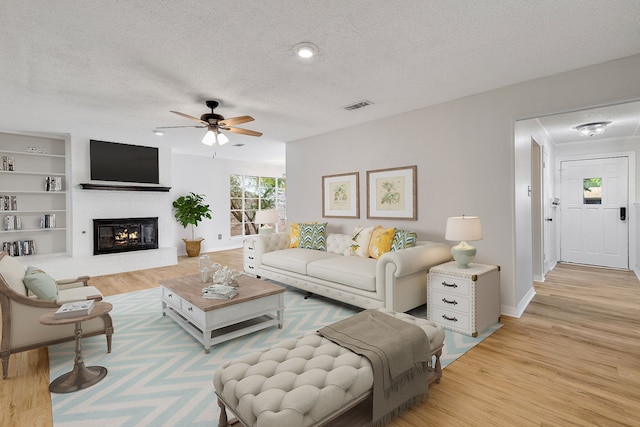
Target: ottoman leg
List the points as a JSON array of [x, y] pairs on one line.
[[222, 421]]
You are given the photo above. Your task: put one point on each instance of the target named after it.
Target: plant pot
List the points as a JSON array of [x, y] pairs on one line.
[[192, 246]]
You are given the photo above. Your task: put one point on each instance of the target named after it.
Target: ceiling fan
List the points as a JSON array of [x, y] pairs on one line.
[[215, 123]]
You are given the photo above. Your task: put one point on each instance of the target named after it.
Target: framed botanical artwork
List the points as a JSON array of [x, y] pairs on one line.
[[392, 193], [341, 195]]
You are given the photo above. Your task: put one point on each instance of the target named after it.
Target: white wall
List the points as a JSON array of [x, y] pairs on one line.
[[209, 176], [466, 157]]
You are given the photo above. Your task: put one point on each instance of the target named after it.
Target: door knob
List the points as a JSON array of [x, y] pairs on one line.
[[623, 213], [548, 219]]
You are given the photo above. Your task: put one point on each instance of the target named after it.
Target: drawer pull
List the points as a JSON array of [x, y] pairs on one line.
[[451, 319], [251, 267], [250, 257], [190, 309], [446, 301], [449, 285], [170, 295]]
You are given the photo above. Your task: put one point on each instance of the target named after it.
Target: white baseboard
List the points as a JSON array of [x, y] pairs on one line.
[[522, 305]]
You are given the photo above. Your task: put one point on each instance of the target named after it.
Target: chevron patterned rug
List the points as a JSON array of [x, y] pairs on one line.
[[158, 375]]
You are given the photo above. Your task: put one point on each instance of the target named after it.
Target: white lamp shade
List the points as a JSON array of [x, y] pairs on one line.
[[463, 228], [268, 216], [222, 138], [209, 138]]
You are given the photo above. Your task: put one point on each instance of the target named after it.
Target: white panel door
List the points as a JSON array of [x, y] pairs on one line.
[[594, 207]]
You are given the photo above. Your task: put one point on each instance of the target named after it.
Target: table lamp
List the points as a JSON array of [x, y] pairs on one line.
[[266, 217], [463, 228]]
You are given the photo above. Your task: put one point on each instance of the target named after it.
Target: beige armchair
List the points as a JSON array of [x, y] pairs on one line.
[[21, 327]]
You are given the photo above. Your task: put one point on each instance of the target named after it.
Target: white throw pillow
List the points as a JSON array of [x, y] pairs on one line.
[[360, 241]]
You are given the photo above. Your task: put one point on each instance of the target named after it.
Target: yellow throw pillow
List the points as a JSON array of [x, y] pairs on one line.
[[294, 234], [381, 240]]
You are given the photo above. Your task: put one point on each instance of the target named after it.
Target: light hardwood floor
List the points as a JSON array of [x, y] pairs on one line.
[[573, 358]]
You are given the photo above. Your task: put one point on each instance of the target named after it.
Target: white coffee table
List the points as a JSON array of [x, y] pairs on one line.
[[258, 305]]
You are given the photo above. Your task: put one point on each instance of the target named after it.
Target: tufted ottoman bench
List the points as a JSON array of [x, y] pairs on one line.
[[307, 381]]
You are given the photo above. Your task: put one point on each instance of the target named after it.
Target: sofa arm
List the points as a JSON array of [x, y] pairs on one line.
[[412, 260], [255, 246]]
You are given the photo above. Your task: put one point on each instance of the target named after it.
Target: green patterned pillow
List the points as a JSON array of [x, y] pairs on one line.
[[313, 236], [404, 239]]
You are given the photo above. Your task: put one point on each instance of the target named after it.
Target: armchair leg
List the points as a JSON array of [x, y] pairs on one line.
[[5, 364], [109, 334]]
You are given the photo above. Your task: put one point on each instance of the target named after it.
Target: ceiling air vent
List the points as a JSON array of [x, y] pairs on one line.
[[357, 105]]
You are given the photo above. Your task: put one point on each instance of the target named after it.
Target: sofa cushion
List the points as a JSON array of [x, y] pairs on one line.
[[381, 240], [313, 236], [295, 259], [356, 272], [404, 239], [40, 283], [360, 241]]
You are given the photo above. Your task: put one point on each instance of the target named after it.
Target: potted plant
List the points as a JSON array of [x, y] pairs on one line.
[[190, 210]]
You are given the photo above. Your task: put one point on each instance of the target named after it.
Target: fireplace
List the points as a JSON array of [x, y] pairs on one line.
[[113, 235]]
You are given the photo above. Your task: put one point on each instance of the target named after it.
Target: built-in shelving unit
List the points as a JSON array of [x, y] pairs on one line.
[[33, 196]]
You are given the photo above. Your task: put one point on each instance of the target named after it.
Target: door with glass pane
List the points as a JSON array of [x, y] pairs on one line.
[[594, 199]]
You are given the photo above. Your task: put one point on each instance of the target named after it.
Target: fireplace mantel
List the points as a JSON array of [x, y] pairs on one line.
[[122, 187]]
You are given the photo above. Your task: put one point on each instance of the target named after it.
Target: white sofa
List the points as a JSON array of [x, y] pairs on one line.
[[396, 281]]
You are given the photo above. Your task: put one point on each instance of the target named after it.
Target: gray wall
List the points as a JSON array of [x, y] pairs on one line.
[[467, 162]]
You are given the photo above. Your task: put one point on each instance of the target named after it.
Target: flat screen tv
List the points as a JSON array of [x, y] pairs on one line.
[[111, 161]]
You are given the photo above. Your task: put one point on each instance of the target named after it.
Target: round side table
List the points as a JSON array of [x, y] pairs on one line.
[[80, 376]]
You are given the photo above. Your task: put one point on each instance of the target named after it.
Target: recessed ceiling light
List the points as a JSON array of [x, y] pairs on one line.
[[305, 50], [158, 132]]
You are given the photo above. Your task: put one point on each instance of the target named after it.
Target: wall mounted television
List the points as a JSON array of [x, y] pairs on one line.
[[111, 161]]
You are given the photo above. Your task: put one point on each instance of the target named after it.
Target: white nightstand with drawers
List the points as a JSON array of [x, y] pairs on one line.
[[465, 300]]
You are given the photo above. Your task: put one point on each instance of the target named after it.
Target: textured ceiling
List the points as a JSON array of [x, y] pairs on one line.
[[113, 69]]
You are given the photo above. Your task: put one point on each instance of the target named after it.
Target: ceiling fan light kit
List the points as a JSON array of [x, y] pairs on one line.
[[215, 123], [590, 129]]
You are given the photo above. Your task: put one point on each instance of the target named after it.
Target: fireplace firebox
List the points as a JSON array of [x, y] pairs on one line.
[[113, 235]]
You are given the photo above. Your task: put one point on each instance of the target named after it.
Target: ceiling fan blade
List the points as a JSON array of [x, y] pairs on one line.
[[242, 131], [186, 116], [235, 120], [173, 127]]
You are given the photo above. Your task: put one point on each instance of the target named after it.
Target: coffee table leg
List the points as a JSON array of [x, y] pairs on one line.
[[80, 376], [280, 318]]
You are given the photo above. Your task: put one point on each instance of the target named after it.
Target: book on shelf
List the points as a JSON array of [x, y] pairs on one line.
[[12, 222], [219, 292], [74, 309], [19, 248], [8, 203], [53, 183], [48, 221], [6, 163]]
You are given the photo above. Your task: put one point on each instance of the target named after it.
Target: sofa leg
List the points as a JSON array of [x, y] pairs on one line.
[[308, 295]]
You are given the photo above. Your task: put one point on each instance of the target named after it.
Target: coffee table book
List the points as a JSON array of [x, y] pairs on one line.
[[74, 309]]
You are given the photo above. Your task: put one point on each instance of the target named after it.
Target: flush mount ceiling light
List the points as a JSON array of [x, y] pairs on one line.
[[158, 132], [590, 129], [305, 50]]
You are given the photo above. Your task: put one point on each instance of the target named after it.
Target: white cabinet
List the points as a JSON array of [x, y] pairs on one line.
[[33, 196], [465, 300]]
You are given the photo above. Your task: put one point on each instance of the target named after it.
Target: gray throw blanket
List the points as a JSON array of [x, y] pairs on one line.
[[399, 353]]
